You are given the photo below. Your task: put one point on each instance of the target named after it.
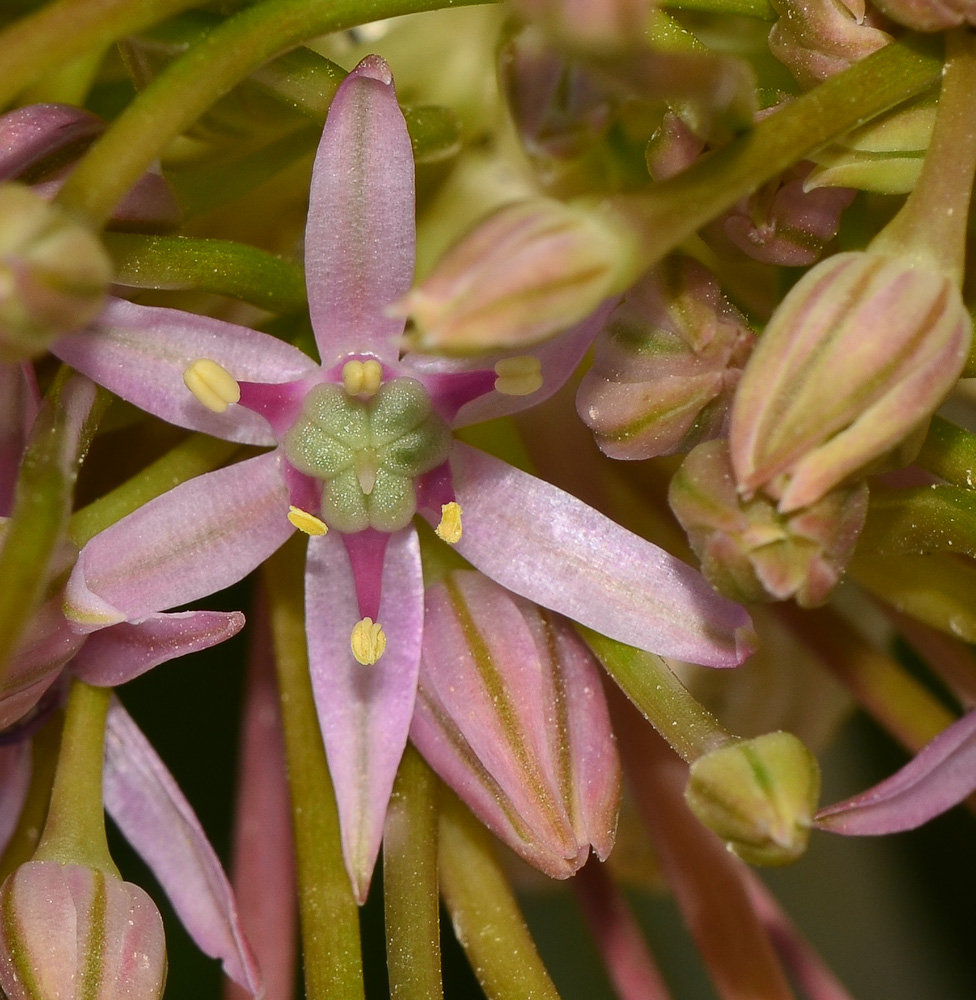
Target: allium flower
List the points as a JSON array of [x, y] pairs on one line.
[[363, 442]]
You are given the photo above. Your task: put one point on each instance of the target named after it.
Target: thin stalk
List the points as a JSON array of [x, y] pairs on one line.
[[690, 729], [949, 452], [932, 222], [192, 83], [74, 832], [410, 900], [58, 442], [62, 31], [669, 212], [329, 916], [485, 915]]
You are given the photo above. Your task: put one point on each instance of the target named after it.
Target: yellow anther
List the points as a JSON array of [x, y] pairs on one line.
[[362, 378], [518, 376], [212, 385], [306, 522], [450, 527], [367, 641]]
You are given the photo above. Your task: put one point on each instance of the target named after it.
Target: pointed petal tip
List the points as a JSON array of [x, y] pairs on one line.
[[376, 68]]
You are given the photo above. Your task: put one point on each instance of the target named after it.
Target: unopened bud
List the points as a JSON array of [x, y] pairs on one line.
[[929, 15], [785, 224], [816, 39], [758, 795], [54, 273], [883, 155], [71, 931], [855, 358], [510, 712], [749, 551], [528, 271], [666, 365]]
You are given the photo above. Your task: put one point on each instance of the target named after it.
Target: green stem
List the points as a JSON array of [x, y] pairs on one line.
[[760, 9], [690, 729], [410, 902], [74, 832], [329, 916], [189, 85], [932, 223], [195, 456], [949, 452], [220, 266], [62, 31], [59, 440], [669, 212], [485, 915]]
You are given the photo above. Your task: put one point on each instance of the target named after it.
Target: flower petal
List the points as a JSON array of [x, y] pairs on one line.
[[150, 810], [117, 654], [558, 359], [141, 352], [939, 776], [364, 711], [32, 133], [15, 774], [550, 547], [360, 239], [194, 540], [19, 402]]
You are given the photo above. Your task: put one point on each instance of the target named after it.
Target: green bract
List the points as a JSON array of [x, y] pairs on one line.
[[368, 451]]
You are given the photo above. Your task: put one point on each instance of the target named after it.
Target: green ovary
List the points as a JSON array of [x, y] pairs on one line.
[[368, 452]]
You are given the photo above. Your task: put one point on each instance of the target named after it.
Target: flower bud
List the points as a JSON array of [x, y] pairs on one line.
[[69, 931], [785, 224], [665, 366], [511, 714], [528, 271], [883, 155], [758, 795], [815, 39], [54, 273], [929, 15], [855, 358], [594, 24], [749, 551]]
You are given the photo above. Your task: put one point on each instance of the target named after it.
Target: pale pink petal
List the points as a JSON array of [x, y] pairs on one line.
[[34, 132], [360, 239], [551, 548], [194, 540], [364, 711], [558, 358], [150, 810], [141, 352], [15, 774], [937, 778], [117, 654]]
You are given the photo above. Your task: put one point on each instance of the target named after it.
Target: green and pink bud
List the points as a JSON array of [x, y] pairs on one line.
[[525, 273], [749, 550], [816, 39], [54, 273], [666, 365], [510, 712], [78, 933], [758, 795], [855, 359], [929, 15]]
